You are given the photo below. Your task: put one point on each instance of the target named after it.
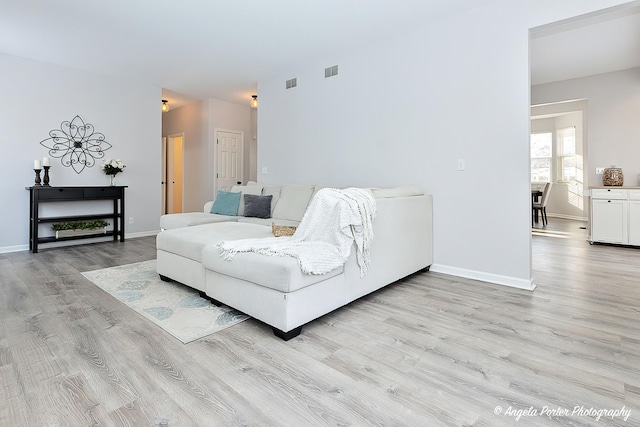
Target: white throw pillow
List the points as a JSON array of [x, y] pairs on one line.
[[318, 188], [274, 192], [293, 202], [244, 189]]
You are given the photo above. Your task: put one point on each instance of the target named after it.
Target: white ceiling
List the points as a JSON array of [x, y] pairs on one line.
[[587, 45], [197, 49]]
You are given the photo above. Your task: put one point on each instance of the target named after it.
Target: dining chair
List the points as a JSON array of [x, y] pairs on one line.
[[541, 206]]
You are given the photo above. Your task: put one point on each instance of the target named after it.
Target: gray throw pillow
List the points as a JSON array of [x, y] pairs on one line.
[[257, 206]]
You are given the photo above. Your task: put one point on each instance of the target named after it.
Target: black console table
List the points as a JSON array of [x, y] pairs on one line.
[[41, 194]]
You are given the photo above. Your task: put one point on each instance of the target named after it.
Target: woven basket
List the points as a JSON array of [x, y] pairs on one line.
[[282, 230]]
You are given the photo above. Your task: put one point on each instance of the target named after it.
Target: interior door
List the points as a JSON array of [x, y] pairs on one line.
[[163, 177], [229, 155], [174, 173]]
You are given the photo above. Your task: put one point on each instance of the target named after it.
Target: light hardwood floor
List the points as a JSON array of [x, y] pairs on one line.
[[429, 350]]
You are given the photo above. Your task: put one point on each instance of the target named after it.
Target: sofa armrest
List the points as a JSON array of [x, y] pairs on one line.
[[402, 191]]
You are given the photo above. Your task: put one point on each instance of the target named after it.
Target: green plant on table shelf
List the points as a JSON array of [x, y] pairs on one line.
[[79, 225]]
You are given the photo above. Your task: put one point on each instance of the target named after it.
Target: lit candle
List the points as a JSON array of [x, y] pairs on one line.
[[45, 161], [37, 164]]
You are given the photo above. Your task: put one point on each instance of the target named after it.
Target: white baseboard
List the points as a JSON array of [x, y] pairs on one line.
[[512, 282], [141, 234], [17, 248], [563, 216], [20, 248]]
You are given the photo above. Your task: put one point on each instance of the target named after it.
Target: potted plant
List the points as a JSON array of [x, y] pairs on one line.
[[112, 168], [79, 228]]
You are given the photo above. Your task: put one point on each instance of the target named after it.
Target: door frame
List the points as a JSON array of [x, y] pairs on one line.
[[215, 155]]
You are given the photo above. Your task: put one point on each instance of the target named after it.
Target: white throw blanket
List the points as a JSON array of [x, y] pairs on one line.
[[322, 242]]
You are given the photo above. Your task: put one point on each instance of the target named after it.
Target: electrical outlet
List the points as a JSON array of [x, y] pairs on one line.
[[130, 220], [264, 170], [599, 171]]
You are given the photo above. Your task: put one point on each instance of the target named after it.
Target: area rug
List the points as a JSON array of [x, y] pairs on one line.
[[176, 308]]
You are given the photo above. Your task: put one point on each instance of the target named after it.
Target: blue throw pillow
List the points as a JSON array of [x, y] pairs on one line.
[[226, 203]]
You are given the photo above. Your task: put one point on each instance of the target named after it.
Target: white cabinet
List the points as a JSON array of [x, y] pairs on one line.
[[615, 215], [609, 222]]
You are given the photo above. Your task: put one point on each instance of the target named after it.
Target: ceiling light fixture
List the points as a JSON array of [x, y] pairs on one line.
[[165, 106], [254, 101]]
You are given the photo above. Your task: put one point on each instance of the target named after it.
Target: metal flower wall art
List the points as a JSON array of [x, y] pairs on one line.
[[77, 144]]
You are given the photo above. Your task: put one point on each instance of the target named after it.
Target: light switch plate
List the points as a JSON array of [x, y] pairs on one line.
[[461, 164]]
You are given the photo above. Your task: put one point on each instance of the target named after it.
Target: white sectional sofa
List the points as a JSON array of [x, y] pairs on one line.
[[272, 288]]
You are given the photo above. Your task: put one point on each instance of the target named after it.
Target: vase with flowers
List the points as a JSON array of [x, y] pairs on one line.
[[112, 168]]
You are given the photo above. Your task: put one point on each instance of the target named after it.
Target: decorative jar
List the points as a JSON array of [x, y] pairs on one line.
[[612, 177]]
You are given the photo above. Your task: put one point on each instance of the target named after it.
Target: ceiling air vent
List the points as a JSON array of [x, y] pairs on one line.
[[331, 71], [292, 83]]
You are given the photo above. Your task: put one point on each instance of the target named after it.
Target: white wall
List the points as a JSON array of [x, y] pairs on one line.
[[404, 110], [192, 121], [613, 119], [36, 98]]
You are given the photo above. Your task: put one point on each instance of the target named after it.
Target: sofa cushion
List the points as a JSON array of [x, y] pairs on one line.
[[257, 206], [189, 241], [274, 192], [281, 273], [293, 202], [316, 189], [226, 203], [268, 221], [246, 189], [187, 219]]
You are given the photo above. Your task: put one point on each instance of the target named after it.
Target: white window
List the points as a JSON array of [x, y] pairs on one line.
[[567, 159], [541, 154]]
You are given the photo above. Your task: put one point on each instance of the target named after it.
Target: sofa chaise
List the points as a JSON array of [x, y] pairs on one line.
[[273, 289]]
